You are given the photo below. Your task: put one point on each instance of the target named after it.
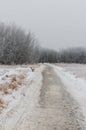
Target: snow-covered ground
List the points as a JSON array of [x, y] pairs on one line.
[[13, 82], [21, 89], [74, 78], [18, 86]]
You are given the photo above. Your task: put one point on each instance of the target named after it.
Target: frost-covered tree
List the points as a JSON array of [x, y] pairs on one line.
[[16, 46], [73, 55], [70, 55]]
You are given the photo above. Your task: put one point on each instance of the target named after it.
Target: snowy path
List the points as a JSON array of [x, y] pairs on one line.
[[74, 85], [47, 106], [56, 109]]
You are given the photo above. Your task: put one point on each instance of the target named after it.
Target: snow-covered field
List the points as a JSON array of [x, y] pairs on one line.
[[79, 70], [74, 78]]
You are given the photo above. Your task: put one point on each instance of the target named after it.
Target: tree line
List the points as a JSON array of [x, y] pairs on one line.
[[70, 55], [16, 46], [19, 47]]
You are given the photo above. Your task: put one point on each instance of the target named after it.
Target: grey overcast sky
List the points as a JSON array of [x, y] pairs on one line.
[[56, 23]]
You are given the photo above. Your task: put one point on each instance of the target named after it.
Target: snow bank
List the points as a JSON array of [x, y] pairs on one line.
[[74, 85], [18, 104], [13, 97], [12, 84]]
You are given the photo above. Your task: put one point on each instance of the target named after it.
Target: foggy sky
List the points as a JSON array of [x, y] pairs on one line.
[[56, 23]]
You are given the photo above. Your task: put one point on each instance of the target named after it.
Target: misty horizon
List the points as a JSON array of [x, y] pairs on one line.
[[56, 24]]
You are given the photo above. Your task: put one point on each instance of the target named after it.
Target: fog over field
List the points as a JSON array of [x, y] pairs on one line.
[[56, 23]]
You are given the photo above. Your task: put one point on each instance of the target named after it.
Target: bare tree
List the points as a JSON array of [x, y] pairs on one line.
[[16, 46]]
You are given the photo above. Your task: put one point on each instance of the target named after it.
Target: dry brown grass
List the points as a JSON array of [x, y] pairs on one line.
[[13, 85], [6, 91], [33, 67], [13, 79], [19, 82], [14, 82], [2, 103], [22, 77], [4, 87]]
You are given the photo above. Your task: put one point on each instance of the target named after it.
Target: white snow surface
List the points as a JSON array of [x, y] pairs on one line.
[[76, 86], [26, 96], [14, 96]]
